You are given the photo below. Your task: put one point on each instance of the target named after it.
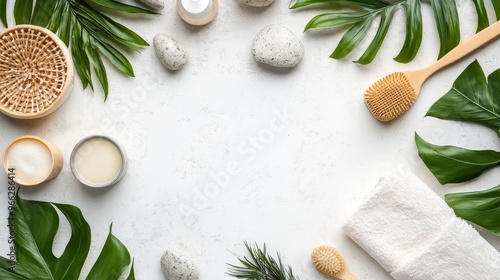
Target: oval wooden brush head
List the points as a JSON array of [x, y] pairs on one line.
[[36, 72], [329, 261], [390, 97]]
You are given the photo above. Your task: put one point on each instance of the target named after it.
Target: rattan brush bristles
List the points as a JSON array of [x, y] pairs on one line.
[[329, 261], [390, 97], [36, 71], [393, 95]]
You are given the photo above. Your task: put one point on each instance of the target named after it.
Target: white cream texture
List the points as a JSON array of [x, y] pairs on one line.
[[31, 159], [196, 8], [98, 161]]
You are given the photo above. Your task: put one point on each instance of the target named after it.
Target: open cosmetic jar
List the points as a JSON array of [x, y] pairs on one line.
[[197, 12], [32, 160], [98, 161]]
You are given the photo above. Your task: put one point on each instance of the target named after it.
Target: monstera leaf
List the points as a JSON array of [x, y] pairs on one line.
[[472, 98], [36, 223], [84, 25], [451, 164], [480, 207], [475, 99], [359, 15]]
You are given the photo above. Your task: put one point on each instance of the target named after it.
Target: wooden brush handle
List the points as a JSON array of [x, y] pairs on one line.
[[347, 275], [476, 41]]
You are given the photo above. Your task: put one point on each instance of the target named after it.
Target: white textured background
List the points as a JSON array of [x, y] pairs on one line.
[[298, 189]]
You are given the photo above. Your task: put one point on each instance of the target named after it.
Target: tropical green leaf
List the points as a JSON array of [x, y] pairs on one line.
[[3, 12], [482, 15], [64, 23], [99, 69], [87, 28], [367, 4], [376, 43], [79, 56], [36, 223], [22, 11], [360, 14], [446, 15], [335, 19], [450, 164], [352, 38], [118, 6], [113, 260], [115, 57], [109, 27], [43, 11], [414, 28], [479, 207], [471, 98], [496, 7]]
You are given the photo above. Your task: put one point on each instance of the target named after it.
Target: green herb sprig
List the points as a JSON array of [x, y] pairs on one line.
[[473, 98], [360, 15], [86, 28], [261, 266]]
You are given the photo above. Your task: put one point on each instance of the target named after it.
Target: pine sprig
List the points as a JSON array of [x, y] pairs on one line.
[[86, 28], [362, 14], [261, 266]]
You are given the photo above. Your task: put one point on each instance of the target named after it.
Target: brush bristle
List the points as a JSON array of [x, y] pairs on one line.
[[390, 97], [327, 260]]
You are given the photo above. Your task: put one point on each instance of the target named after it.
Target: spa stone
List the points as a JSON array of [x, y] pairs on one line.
[[277, 46], [178, 267], [171, 54]]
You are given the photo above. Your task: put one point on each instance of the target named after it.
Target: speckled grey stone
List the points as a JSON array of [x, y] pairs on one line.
[[155, 4], [171, 54], [178, 267], [277, 46], [257, 3]]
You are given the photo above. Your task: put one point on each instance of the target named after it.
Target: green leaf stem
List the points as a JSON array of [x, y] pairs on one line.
[[479, 207], [450, 164], [36, 224], [360, 15], [86, 28]]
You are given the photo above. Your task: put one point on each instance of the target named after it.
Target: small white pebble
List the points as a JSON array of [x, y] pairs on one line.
[[277, 46], [178, 267], [171, 54], [257, 3]]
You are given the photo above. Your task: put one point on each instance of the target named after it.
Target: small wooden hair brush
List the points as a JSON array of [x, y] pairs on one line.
[[329, 261], [392, 95]]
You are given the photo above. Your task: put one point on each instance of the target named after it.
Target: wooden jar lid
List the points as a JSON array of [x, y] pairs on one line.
[[198, 21], [36, 72]]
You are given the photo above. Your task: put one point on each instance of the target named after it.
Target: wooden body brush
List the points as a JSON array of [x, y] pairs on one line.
[[329, 261], [392, 95]]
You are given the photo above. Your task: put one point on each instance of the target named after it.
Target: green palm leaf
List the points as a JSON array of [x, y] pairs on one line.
[[86, 28], [36, 224], [361, 13]]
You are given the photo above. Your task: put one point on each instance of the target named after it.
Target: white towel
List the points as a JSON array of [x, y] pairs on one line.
[[459, 253], [399, 220]]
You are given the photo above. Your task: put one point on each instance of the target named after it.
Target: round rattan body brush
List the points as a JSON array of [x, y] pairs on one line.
[[36, 72], [392, 95], [329, 261]]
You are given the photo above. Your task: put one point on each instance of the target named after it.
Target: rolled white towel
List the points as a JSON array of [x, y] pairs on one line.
[[458, 253], [399, 220]]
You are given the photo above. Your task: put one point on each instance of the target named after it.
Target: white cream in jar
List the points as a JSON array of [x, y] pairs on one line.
[[98, 161], [33, 160]]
